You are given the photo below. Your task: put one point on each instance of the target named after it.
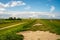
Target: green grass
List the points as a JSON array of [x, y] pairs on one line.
[[10, 33], [52, 26], [5, 23], [48, 25]]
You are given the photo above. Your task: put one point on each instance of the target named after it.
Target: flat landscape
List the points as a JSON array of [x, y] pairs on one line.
[[30, 29], [29, 19]]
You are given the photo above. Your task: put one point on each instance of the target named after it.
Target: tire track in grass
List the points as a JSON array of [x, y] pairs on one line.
[[11, 26]]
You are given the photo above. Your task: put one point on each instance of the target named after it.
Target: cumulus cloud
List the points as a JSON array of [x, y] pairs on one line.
[[2, 7], [52, 8], [11, 4], [17, 3]]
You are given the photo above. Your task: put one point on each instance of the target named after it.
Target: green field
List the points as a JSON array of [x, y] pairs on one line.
[[4, 23], [52, 25]]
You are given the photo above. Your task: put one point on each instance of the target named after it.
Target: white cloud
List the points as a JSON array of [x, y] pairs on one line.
[[17, 3], [52, 8], [1, 4], [27, 8], [52, 15], [6, 5], [30, 14], [2, 9], [1, 12], [10, 4]]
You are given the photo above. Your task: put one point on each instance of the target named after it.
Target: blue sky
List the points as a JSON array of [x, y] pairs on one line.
[[33, 7]]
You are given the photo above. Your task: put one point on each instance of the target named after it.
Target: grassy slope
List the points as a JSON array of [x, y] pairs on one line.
[[48, 25], [10, 33]]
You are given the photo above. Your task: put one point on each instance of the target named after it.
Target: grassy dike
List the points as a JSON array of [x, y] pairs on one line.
[[47, 25]]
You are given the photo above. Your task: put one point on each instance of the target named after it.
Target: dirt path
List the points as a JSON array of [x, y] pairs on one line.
[[10, 26], [39, 35], [37, 24]]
